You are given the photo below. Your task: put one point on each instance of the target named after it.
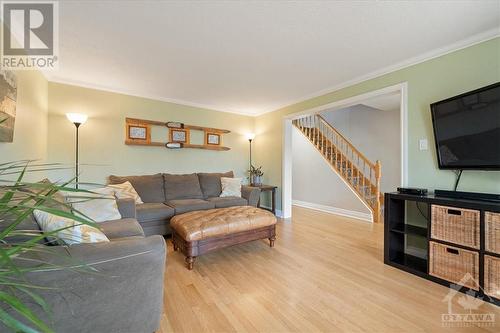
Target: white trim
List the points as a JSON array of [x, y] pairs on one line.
[[403, 118], [436, 53], [286, 169], [334, 210], [146, 96], [402, 88], [279, 213], [347, 102], [462, 44]]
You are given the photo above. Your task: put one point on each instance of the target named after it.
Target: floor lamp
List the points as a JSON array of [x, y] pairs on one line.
[[250, 137], [77, 119]]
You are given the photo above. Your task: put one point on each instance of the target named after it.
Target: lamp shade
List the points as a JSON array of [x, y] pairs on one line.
[[250, 136], [77, 118]]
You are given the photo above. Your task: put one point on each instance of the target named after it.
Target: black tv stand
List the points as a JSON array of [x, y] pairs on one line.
[[412, 235], [468, 195]]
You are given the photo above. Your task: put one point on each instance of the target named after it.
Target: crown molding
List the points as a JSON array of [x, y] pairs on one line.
[[462, 44], [436, 53], [54, 79]]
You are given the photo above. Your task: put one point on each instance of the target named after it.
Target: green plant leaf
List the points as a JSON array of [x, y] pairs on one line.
[[23, 310], [15, 324], [39, 300]]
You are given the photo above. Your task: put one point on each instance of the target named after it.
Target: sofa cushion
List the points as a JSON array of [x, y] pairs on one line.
[[149, 188], [221, 202], [99, 205], [23, 232], [210, 183], [182, 187], [121, 228], [154, 211], [67, 230], [188, 205]]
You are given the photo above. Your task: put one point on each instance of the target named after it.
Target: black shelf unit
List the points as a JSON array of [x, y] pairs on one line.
[[410, 229], [408, 220]]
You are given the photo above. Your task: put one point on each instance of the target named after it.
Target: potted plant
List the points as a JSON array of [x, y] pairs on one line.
[[256, 175], [18, 199]]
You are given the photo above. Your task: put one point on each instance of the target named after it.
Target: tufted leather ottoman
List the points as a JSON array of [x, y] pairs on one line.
[[199, 232]]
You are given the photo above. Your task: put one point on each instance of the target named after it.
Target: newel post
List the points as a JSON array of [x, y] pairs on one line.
[[378, 205]]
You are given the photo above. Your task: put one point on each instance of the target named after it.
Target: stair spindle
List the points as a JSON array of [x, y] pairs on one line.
[[362, 175]]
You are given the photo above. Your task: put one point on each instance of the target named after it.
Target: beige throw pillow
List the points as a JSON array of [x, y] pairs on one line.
[[231, 187], [99, 206], [75, 232], [126, 191]]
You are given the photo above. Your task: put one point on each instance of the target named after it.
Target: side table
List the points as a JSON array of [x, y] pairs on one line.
[[272, 189]]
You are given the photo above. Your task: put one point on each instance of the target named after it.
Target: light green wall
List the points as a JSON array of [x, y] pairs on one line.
[[430, 81], [102, 138], [30, 128]]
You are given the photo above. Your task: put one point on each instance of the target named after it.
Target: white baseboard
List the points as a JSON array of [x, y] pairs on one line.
[[279, 213], [334, 210]]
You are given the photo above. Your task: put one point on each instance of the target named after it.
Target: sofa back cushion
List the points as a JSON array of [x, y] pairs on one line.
[[182, 186], [210, 183], [149, 188], [28, 225]]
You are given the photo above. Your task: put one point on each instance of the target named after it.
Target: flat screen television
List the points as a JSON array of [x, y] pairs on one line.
[[467, 130]]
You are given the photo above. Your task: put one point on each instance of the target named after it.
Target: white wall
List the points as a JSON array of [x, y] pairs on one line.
[[314, 181], [102, 137], [376, 134]]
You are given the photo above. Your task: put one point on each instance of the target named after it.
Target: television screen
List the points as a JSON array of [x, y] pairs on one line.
[[467, 129]]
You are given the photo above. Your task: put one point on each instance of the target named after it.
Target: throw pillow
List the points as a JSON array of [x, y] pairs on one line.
[[231, 187], [126, 191], [99, 206], [75, 232], [57, 200]]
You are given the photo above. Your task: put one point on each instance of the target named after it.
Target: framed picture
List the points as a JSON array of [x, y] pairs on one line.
[[179, 135], [213, 139], [137, 132], [8, 100]]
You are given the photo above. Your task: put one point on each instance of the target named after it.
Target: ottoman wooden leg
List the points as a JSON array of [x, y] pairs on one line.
[[174, 241], [190, 262], [271, 241]]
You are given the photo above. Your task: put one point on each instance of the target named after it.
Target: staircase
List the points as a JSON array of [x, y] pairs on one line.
[[362, 175]]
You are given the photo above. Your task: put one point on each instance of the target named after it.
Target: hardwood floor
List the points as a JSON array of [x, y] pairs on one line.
[[325, 273]]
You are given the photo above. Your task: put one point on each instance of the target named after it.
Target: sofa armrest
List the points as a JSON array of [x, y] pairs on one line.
[[113, 286], [126, 208], [121, 228], [252, 194]]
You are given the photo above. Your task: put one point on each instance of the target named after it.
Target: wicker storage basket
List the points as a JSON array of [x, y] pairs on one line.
[[492, 276], [452, 264], [492, 232], [455, 225]]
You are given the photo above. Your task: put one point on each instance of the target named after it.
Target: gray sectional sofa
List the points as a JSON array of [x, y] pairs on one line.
[[167, 195], [114, 286], [117, 286]]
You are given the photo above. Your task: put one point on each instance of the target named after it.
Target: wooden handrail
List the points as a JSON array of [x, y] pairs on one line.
[[370, 163], [321, 133]]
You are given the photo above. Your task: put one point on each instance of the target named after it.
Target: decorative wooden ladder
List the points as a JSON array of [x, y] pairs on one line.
[[362, 175]]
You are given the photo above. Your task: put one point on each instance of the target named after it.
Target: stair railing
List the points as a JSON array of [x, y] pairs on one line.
[[360, 173]]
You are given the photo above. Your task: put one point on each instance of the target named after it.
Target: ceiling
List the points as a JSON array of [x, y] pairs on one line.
[[253, 57], [385, 102]]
